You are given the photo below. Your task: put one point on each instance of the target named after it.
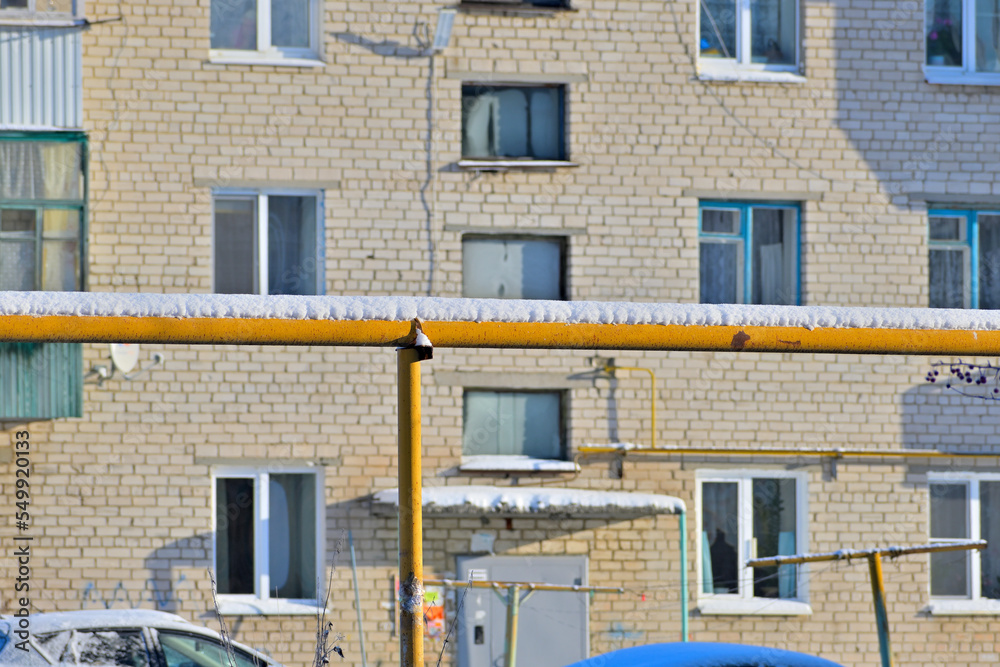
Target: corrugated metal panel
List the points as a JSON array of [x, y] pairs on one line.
[[41, 380], [41, 77]]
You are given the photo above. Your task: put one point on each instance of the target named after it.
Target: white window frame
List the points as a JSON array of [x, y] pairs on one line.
[[966, 74], [974, 603], [41, 17], [741, 68], [261, 602], [266, 54], [261, 231], [744, 602]]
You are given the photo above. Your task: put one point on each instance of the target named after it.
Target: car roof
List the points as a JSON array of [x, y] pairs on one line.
[[111, 618], [704, 654]]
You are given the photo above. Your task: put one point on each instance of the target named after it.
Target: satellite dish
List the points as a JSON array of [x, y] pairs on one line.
[[124, 356]]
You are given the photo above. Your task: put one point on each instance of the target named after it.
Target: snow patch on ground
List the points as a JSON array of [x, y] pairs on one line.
[[527, 500]]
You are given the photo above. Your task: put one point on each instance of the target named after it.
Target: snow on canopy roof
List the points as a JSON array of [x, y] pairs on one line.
[[513, 500], [402, 308]]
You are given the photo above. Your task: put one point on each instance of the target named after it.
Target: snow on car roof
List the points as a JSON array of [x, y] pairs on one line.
[[110, 618], [704, 654], [402, 308]]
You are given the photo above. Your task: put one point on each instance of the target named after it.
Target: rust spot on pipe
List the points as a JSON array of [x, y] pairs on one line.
[[739, 340], [793, 343]]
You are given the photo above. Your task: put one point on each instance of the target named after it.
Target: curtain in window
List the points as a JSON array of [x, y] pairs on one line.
[[989, 261], [290, 23], [18, 236], [772, 257], [236, 245], [60, 250], [948, 269], [774, 519], [292, 536], [987, 35], [718, 29], [480, 124], [40, 170], [512, 423], [720, 271], [234, 24], [949, 521], [292, 257]]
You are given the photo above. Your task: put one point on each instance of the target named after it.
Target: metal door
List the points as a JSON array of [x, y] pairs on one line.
[[552, 626]]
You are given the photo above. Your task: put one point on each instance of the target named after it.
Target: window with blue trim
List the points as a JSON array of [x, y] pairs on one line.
[[964, 255], [43, 195], [749, 253]]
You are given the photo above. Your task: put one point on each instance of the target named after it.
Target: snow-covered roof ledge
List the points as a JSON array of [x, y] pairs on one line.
[[490, 463], [527, 501], [404, 309]]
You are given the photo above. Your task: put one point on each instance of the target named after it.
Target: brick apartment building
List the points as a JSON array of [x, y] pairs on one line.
[[812, 153]]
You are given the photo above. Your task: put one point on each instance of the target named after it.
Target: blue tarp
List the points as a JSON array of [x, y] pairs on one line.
[[696, 654]]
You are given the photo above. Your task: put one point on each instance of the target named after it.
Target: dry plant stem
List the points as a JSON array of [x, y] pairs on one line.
[[323, 627], [454, 623], [227, 641]]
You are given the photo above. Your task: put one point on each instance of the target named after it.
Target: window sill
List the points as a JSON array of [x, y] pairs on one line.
[[262, 58], [984, 607], [950, 77], [511, 7], [514, 464], [35, 21], [255, 607], [732, 73], [514, 165], [754, 607]]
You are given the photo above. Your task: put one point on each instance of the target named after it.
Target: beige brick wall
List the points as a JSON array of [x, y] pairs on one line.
[[123, 495]]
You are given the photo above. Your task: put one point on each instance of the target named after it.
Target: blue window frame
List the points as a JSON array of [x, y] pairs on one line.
[[964, 258], [749, 253]]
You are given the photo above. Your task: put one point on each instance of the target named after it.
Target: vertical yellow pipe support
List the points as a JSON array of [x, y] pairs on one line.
[[411, 548], [881, 614]]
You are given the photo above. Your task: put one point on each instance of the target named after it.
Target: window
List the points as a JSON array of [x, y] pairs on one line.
[[513, 423], [43, 194], [749, 34], [268, 535], [54, 8], [962, 41], [268, 244], [744, 516], [966, 509], [42, 199], [271, 28], [515, 3], [513, 122], [512, 267], [749, 253], [964, 254], [181, 650]]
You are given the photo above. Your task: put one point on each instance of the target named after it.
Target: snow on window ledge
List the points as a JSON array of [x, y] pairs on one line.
[[272, 58], [493, 463], [981, 607], [726, 71], [955, 77], [753, 607], [248, 606], [513, 165]]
